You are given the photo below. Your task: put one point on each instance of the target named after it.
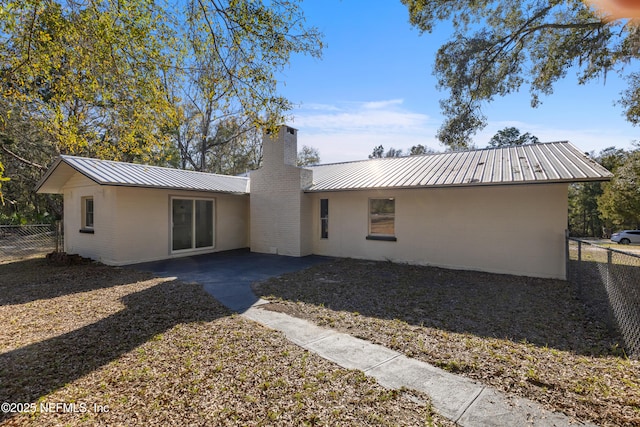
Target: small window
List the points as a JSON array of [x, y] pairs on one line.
[[324, 218], [87, 215], [382, 213]]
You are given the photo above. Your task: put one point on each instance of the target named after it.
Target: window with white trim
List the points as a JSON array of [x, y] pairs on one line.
[[87, 214], [192, 224]]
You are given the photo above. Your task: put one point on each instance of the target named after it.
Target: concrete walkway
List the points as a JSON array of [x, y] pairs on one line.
[[228, 277], [460, 399]]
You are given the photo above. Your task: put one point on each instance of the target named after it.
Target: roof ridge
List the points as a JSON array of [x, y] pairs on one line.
[[548, 162], [439, 154], [64, 156]]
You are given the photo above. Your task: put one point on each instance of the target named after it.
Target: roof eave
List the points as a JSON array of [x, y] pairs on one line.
[[54, 169], [168, 187], [463, 185], [41, 186]]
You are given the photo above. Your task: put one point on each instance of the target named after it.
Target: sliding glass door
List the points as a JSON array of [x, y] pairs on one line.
[[192, 224]]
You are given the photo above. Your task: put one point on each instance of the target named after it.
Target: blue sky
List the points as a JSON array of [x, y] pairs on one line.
[[374, 86]]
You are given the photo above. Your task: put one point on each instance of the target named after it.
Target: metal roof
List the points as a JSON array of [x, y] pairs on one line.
[[524, 164], [106, 172]]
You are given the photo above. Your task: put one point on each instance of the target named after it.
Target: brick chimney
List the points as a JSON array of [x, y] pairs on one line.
[[281, 148], [280, 211]]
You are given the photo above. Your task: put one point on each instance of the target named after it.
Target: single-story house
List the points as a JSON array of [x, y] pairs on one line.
[[499, 210]]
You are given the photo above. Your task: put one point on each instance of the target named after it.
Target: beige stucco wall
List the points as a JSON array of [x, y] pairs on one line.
[[133, 224], [96, 246], [516, 229]]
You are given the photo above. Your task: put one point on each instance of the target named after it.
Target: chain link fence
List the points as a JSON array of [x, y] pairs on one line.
[[25, 241], [608, 283]]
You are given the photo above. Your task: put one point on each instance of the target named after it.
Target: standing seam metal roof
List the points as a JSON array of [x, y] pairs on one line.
[[107, 172], [535, 163]]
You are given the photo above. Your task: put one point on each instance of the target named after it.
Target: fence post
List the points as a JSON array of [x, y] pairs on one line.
[[579, 278], [609, 257], [612, 297], [567, 273], [58, 223]]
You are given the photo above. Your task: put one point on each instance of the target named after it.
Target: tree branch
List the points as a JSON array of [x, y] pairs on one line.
[[29, 41], [22, 159]]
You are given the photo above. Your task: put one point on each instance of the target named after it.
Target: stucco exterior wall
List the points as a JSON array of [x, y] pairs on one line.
[[516, 229], [96, 246], [134, 224]]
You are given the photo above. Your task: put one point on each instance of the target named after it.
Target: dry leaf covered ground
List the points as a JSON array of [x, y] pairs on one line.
[[526, 337], [94, 345]]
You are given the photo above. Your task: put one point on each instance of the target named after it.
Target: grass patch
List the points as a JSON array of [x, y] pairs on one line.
[[109, 346], [524, 336]]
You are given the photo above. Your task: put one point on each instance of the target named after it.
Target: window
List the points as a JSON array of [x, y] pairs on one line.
[[382, 214], [192, 224], [87, 215], [324, 218]]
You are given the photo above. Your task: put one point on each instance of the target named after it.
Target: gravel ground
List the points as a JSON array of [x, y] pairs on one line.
[[524, 336], [94, 345]]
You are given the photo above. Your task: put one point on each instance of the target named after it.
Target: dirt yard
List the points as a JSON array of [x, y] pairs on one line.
[[93, 345], [526, 337]]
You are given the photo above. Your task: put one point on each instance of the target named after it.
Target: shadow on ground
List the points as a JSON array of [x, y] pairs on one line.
[[543, 312], [33, 371], [228, 275], [37, 279]]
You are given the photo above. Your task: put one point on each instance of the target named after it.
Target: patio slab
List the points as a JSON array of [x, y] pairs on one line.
[[228, 275]]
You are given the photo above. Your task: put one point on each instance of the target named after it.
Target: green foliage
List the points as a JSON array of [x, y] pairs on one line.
[[308, 156], [236, 48], [584, 216], [229, 148], [378, 152], [512, 136], [419, 149], [2, 179], [24, 151], [392, 152], [234, 151], [142, 80], [89, 73], [587, 218], [620, 201], [499, 46]]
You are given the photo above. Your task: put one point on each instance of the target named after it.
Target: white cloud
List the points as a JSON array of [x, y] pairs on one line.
[[350, 131], [321, 107], [374, 105]]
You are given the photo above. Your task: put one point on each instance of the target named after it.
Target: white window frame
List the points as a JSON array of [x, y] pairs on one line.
[[193, 247], [86, 225]]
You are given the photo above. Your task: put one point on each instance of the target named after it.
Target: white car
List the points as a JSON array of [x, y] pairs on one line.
[[627, 236]]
